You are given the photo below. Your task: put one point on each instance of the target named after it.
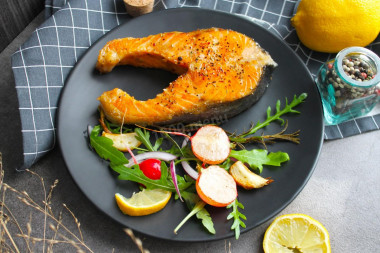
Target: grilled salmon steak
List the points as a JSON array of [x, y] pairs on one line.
[[221, 73]]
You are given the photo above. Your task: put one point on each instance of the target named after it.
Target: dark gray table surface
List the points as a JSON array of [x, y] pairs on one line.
[[343, 193]]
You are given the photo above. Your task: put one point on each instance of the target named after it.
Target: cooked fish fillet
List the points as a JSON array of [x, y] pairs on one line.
[[221, 73]]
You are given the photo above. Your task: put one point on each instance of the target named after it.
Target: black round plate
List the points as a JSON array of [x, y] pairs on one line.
[[78, 108]]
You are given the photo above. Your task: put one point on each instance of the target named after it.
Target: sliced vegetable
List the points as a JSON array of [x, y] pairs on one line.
[[246, 178], [189, 170], [123, 141], [210, 144], [216, 187], [174, 178], [151, 168], [167, 157], [186, 166]]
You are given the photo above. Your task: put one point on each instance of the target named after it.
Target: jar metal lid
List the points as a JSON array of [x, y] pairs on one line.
[[358, 50]]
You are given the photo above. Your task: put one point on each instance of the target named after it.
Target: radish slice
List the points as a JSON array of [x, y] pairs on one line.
[[174, 177], [186, 166], [156, 155], [211, 145], [216, 187]]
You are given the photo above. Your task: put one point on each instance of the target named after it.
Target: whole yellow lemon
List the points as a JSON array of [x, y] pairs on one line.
[[332, 25]]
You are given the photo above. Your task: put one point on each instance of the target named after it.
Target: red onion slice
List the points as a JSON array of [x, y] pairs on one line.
[[174, 177], [186, 166], [148, 155]]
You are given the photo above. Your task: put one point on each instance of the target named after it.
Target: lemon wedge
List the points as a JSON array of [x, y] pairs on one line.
[[144, 202], [296, 233], [123, 141]]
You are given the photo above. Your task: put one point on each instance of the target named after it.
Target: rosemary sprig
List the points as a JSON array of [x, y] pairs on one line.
[[269, 139], [241, 138]]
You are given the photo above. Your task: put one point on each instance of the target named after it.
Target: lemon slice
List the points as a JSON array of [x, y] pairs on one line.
[[144, 202], [123, 141], [296, 233]]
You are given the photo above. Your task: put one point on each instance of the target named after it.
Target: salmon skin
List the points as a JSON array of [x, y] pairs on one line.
[[221, 73]]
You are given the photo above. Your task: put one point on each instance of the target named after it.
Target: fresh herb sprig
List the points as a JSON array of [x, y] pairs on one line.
[[237, 216], [242, 138], [196, 207], [143, 135]]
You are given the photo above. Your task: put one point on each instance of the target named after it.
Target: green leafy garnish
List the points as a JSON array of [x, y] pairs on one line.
[[136, 175], [103, 147], [256, 158], [237, 216], [143, 135], [241, 138], [196, 205]]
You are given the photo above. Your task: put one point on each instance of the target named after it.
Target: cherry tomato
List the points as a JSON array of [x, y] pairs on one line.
[[151, 168]]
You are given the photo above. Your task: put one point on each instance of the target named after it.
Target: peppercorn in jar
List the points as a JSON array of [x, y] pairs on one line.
[[349, 84]]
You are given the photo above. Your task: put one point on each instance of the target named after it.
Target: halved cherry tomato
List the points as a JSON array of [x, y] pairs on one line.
[[151, 168]]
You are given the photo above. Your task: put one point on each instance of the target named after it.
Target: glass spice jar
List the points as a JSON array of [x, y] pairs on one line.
[[349, 85]]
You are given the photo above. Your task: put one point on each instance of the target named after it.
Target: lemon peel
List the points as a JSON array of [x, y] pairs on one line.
[[332, 25]]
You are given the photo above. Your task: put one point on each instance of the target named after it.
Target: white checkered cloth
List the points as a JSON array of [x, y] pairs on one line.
[[42, 64]]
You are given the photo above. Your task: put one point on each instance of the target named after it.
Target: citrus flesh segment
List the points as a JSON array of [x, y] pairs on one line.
[[144, 202], [210, 144], [296, 233]]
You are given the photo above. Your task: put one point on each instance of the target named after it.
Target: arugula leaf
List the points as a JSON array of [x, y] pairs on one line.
[[256, 158], [226, 164], [237, 216], [103, 147], [115, 128], [144, 136], [175, 146], [136, 175], [196, 205], [158, 143]]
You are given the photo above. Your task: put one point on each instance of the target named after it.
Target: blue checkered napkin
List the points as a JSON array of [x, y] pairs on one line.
[[42, 64]]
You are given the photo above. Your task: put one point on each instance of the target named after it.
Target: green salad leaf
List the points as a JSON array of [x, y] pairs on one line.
[[143, 135], [197, 207], [136, 175], [256, 158], [103, 147]]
